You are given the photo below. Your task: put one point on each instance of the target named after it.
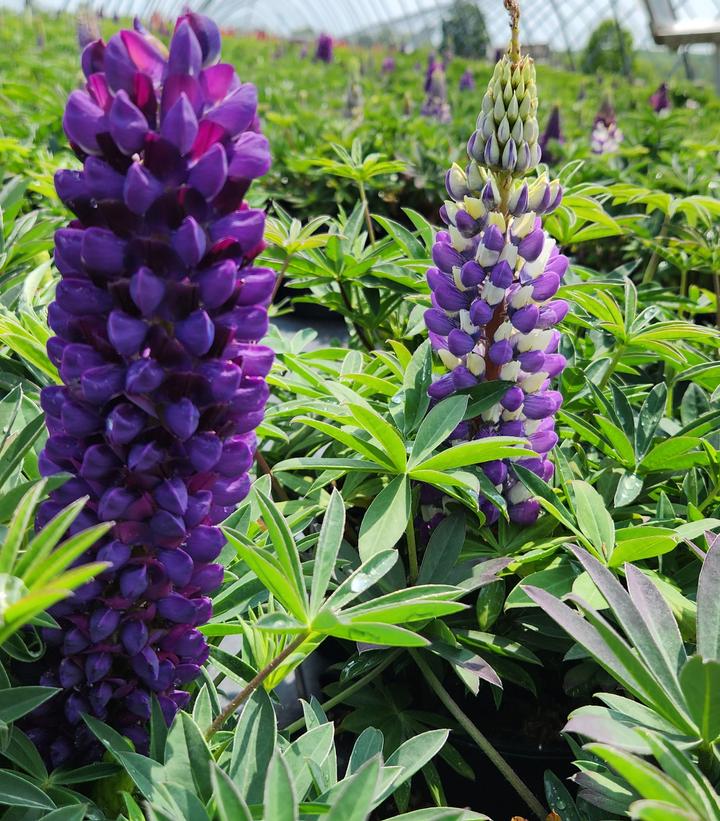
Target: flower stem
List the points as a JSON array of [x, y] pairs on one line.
[[362, 336], [348, 691], [366, 210], [280, 277], [252, 685], [612, 364], [654, 261], [412, 549], [507, 771], [513, 9]]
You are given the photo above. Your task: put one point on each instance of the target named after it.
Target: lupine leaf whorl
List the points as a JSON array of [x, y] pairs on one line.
[[156, 320], [496, 273]]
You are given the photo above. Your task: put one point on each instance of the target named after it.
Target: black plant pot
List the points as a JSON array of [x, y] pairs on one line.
[[525, 731]]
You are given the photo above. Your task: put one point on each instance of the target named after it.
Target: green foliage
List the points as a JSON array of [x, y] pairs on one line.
[[464, 32], [610, 48]]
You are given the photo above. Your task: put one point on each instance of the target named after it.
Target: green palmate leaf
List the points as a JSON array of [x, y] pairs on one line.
[[43, 544], [16, 702], [636, 543], [187, 757], [628, 489], [413, 754], [650, 415], [368, 632], [253, 746], [313, 747], [437, 426], [708, 609], [19, 523], [644, 778], [73, 813], [15, 452], [678, 453], [356, 796], [477, 451], [39, 573], [658, 616], [618, 439], [386, 519], [269, 570], [383, 432], [229, 802], [16, 791], [283, 542], [700, 683], [367, 745], [593, 518], [320, 463], [442, 550], [545, 495], [557, 580], [280, 800], [418, 376], [362, 579], [559, 799], [349, 440], [329, 541]]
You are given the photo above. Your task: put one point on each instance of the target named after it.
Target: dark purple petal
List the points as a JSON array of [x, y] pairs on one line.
[[128, 125], [210, 172], [180, 125]]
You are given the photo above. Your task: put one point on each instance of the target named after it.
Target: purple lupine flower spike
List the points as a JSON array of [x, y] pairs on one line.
[[606, 136], [467, 80], [436, 102], [324, 49], [157, 319], [552, 133], [660, 99], [389, 64], [494, 286]]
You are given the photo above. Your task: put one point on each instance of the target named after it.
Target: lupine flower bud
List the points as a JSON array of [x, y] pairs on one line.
[[157, 317], [493, 290], [507, 131]]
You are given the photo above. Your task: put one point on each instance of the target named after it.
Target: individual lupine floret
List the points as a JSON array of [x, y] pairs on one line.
[[606, 136], [494, 309], [436, 103], [156, 320]]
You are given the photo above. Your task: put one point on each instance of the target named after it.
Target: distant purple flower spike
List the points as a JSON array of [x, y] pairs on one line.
[[324, 49], [660, 99], [157, 286], [467, 80]]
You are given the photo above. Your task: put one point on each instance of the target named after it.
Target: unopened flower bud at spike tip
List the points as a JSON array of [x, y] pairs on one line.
[[143, 301]]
